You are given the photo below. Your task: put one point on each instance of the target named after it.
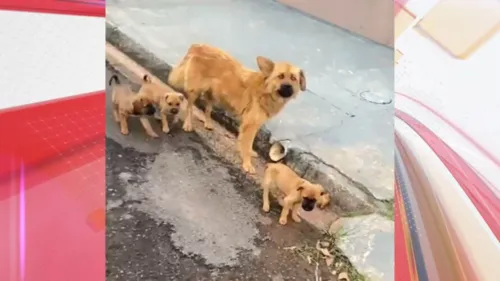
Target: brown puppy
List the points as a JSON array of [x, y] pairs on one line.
[[253, 96], [126, 103], [297, 191], [165, 99]]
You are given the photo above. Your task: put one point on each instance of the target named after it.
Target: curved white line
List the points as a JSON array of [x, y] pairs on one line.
[[467, 223]]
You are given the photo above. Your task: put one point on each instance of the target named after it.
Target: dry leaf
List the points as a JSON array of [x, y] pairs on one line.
[[325, 244], [325, 252], [343, 276], [290, 248], [329, 261], [309, 260], [334, 273]]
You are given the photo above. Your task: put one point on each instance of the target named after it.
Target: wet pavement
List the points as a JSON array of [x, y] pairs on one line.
[[346, 115], [177, 211]]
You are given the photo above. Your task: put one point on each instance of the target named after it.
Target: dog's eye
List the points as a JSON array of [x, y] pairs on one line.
[[293, 78], [177, 104], [322, 193], [170, 103], [281, 76]]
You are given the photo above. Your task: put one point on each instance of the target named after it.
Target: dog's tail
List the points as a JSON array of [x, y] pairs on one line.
[[114, 78], [176, 76]]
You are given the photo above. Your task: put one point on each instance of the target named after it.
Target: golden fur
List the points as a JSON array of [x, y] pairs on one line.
[[297, 191], [253, 96], [126, 103], [167, 101]]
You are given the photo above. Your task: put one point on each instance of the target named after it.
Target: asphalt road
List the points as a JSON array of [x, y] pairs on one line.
[[177, 211]]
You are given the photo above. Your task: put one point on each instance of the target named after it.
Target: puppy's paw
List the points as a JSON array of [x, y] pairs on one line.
[[248, 167], [124, 132], [187, 127], [283, 221], [265, 208], [153, 135], [166, 130], [254, 154], [296, 218], [209, 126]]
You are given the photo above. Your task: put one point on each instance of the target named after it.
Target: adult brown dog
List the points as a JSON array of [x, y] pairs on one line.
[[126, 103], [165, 99], [297, 191], [253, 96]]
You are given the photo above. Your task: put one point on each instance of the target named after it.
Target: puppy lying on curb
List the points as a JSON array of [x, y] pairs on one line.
[[126, 103], [167, 101], [297, 191], [253, 96]]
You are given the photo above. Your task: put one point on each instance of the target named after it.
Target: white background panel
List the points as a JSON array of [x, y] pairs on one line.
[[46, 56]]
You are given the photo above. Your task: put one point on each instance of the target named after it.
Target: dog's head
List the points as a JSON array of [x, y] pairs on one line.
[[282, 78], [143, 106], [312, 195], [172, 102]]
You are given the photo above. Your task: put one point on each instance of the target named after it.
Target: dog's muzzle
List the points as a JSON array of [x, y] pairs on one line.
[[150, 109], [308, 204], [174, 110], [285, 90]]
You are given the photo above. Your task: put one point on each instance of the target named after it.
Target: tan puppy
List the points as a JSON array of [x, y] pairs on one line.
[[126, 103], [297, 191], [165, 99], [253, 96]]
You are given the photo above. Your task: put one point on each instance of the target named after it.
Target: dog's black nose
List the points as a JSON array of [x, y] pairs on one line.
[[150, 109], [307, 208], [174, 110], [308, 204], [286, 90]]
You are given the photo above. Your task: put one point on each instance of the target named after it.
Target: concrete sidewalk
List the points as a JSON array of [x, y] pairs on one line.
[[342, 125]]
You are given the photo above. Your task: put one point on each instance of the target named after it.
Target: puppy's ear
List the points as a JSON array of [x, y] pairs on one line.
[[146, 78], [302, 81], [181, 97], [143, 101], [322, 193], [300, 188], [166, 95], [266, 65]]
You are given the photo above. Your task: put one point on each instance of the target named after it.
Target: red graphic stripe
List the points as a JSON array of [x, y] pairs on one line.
[[40, 134], [485, 201], [456, 128], [91, 8], [61, 145], [402, 249]]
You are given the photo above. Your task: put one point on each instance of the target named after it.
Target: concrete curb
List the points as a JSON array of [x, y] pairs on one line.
[[349, 198]]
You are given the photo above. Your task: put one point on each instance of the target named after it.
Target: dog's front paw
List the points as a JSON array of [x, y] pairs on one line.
[[265, 208], [283, 221], [296, 218], [166, 130], [154, 135], [187, 127], [209, 126], [124, 132], [248, 167], [254, 154]]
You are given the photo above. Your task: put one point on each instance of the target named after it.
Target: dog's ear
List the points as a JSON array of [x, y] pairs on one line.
[[143, 101], [266, 65], [322, 193], [300, 188], [146, 78], [302, 80], [181, 97]]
